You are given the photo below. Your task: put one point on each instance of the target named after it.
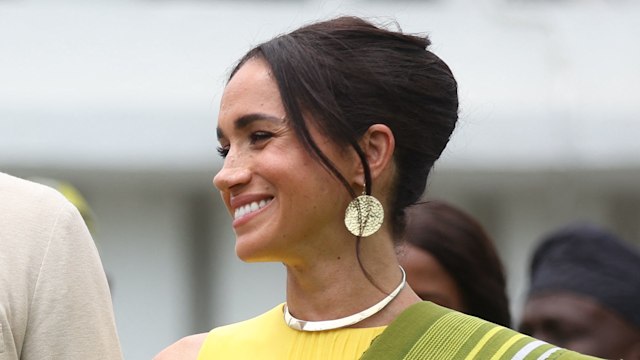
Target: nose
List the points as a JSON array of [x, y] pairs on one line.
[[231, 175]]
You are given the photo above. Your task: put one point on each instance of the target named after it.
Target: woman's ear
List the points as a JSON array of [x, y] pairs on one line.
[[378, 144]]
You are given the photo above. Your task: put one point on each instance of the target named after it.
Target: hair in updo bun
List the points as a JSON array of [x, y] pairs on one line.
[[350, 74]]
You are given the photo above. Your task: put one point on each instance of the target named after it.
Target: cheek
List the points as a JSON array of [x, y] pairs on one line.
[[587, 346], [603, 342], [311, 175]]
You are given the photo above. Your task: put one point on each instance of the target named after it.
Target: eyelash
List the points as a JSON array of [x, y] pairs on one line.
[[254, 138], [223, 151]]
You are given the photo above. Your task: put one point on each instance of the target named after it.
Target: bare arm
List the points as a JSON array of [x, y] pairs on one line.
[[186, 348]]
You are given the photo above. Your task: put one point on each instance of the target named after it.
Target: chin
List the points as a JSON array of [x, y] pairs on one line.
[[252, 253]]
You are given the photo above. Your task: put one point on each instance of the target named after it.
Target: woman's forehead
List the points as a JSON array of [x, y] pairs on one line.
[[253, 74], [251, 90]]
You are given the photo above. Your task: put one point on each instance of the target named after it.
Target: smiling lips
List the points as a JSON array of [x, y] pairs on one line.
[[249, 208]]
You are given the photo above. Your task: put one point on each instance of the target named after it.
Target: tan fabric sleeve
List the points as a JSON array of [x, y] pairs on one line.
[[54, 297]]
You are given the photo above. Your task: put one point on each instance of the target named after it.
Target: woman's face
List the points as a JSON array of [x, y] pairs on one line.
[[284, 204], [429, 279]]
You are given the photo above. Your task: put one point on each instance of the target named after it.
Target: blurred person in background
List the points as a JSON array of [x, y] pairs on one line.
[[585, 293], [54, 298], [328, 133], [450, 260]]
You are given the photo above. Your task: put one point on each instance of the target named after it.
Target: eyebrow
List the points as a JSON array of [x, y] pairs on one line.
[[246, 120]]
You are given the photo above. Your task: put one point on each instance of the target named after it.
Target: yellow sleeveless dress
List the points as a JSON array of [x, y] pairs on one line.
[[267, 337]]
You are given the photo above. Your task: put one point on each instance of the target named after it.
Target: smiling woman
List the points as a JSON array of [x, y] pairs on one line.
[[268, 179], [338, 115]]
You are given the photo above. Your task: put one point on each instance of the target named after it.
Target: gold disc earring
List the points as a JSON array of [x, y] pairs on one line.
[[364, 215]]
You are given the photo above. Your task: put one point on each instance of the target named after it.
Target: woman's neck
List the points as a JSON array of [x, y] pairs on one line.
[[336, 287]]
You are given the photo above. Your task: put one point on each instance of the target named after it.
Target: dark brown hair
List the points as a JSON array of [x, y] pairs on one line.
[[465, 251], [350, 74]]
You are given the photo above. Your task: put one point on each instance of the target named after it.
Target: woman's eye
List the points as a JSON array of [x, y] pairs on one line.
[[254, 139], [223, 151], [260, 136]]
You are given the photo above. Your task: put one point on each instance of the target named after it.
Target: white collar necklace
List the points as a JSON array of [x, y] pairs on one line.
[[304, 325]]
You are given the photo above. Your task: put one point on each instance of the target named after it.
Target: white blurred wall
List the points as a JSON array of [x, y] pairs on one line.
[[121, 98]]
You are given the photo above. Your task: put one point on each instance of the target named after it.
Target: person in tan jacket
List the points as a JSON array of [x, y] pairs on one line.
[[54, 298]]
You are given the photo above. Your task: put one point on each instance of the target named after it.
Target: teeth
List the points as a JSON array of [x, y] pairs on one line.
[[249, 208]]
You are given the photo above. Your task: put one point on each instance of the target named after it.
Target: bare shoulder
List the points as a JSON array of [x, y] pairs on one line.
[[186, 348]]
